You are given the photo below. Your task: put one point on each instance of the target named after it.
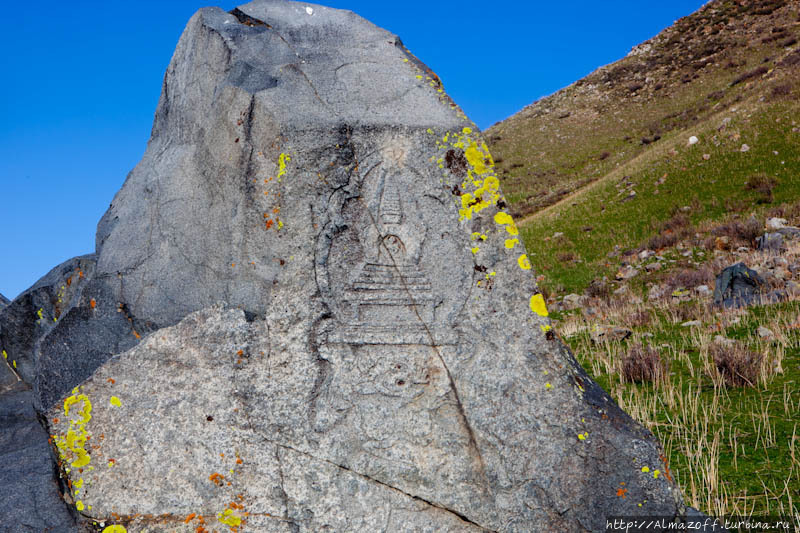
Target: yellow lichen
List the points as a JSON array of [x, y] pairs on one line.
[[538, 306], [115, 529], [229, 518], [504, 219], [71, 446], [523, 262], [282, 161], [480, 172], [115, 401], [475, 158]]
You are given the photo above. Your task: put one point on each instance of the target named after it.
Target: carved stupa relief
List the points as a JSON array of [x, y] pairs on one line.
[[384, 339], [389, 297]]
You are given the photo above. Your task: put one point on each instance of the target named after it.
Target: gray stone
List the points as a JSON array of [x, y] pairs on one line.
[[34, 313], [573, 301], [793, 288], [97, 326], [644, 254], [383, 360], [653, 267], [28, 484], [770, 242], [765, 333], [698, 520], [655, 292], [790, 232], [56, 333], [703, 290], [692, 324], [738, 286], [626, 272], [776, 223], [256, 438], [607, 333]]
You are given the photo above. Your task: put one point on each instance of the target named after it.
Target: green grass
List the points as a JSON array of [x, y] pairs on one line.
[[711, 189], [734, 451]]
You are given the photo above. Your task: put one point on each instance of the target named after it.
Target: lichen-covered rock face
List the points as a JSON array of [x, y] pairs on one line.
[[382, 359]]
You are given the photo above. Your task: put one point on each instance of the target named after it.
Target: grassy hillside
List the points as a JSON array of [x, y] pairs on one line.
[[619, 208], [704, 64]]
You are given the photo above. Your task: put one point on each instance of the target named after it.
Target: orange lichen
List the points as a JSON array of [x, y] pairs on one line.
[[621, 493], [189, 518], [216, 478], [92, 303]]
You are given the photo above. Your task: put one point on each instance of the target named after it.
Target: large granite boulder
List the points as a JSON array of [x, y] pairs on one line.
[[3, 302], [381, 359]]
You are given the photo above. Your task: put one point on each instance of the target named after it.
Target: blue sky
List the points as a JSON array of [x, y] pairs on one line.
[[83, 80]]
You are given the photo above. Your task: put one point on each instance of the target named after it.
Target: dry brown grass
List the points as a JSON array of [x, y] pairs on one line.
[[734, 364], [643, 363]]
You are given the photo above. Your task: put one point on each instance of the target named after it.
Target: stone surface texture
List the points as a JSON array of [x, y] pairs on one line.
[[28, 484], [310, 311]]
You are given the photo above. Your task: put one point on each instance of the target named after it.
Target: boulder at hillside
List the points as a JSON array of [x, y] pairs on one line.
[[380, 358], [740, 286]]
